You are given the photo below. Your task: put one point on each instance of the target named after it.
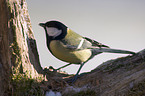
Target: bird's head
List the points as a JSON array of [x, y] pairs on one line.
[[54, 29]]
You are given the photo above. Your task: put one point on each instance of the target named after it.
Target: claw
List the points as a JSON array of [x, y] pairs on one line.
[[54, 70]]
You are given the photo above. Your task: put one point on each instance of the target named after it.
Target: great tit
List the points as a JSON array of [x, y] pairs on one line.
[[71, 47]]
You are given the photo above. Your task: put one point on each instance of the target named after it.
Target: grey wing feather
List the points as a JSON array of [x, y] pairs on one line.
[[68, 46], [84, 43], [95, 43]]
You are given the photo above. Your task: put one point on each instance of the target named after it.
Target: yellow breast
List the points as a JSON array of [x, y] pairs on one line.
[[68, 55]]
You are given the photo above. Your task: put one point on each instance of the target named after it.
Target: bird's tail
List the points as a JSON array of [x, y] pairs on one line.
[[108, 50]]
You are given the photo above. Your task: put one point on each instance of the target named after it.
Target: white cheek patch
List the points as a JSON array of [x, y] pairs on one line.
[[51, 31]]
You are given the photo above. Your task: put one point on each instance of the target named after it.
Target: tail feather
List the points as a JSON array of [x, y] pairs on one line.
[[108, 50]]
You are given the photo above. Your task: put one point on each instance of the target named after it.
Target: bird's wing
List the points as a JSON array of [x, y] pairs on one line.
[[82, 43], [95, 43], [75, 41]]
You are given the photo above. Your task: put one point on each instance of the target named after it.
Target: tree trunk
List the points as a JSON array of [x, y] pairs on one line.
[[19, 64], [18, 51]]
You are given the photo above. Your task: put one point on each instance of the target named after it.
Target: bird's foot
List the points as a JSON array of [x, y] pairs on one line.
[[53, 69], [72, 80]]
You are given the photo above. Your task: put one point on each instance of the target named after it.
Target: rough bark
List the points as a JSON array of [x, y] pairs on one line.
[[18, 52], [120, 77], [4, 49]]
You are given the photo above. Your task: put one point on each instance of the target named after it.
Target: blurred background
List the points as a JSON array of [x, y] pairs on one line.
[[119, 24]]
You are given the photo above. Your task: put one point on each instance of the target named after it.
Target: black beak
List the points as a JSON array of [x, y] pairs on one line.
[[42, 24]]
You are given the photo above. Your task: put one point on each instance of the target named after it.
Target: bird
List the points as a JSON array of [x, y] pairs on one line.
[[70, 47]]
